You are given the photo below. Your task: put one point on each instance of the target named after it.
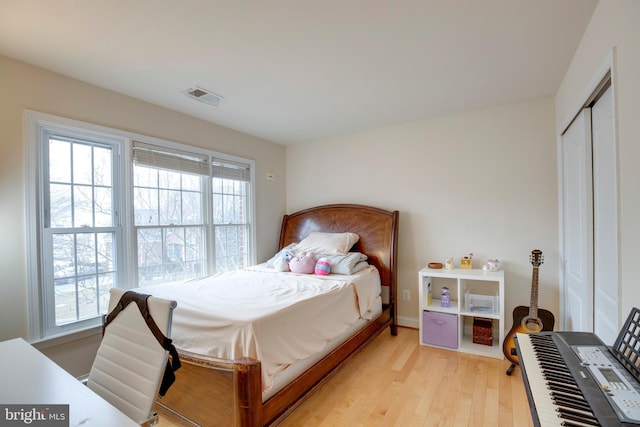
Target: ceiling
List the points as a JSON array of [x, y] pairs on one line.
[[294, 71]]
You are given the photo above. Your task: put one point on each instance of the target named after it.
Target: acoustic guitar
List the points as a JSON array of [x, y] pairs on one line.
[[528, 320]]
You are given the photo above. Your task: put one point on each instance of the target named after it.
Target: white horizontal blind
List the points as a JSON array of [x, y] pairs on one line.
[[227, 169], [170, 159]]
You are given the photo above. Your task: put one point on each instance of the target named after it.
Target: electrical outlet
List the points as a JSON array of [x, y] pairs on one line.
[[406, 295]]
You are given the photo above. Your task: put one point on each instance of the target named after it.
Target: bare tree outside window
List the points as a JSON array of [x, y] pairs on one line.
[[230, 223], [170, 229]]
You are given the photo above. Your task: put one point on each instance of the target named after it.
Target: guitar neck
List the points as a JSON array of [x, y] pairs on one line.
[[533, 306]]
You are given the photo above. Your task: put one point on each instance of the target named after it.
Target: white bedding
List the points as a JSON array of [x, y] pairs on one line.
[[275, 317]]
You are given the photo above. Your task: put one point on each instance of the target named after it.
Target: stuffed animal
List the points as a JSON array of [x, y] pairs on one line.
[[281, 261], [285, 254], [302, 263], [323, 267], [281, 264]]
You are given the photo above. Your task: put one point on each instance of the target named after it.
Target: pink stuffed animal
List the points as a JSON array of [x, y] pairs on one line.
[[302, 263]]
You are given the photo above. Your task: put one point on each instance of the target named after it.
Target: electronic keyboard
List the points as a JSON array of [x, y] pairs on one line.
[[574, 379]]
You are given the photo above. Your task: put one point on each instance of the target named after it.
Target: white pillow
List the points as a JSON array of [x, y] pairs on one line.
[[327, 243], [346, 264]]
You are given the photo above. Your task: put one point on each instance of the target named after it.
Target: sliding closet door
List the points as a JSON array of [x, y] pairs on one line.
[[577, 218], [605, 214], [590, 222]]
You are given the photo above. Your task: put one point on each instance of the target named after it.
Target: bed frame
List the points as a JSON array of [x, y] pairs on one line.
[[217, 392]]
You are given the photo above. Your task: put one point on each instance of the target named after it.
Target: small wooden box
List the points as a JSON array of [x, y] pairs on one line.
[[482, 331]]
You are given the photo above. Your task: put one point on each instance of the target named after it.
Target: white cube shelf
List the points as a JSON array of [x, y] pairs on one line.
[[473, 293]]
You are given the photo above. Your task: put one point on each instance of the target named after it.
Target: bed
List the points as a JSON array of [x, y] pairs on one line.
[[219, 391]]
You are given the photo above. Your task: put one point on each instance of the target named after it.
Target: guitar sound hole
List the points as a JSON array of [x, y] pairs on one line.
[[532, 325]]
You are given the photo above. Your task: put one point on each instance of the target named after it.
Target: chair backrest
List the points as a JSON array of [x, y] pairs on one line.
[[130, 362]]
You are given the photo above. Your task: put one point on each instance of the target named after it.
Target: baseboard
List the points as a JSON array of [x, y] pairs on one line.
[[408, 322]]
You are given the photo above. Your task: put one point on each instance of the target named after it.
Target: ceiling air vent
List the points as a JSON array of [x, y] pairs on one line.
[[204, 95]]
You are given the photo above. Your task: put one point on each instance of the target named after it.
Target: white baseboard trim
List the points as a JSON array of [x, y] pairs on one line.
[[408, 322]]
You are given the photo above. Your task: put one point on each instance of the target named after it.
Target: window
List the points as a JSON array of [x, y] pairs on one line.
[[79, 233], [169, 216], [230, 186], [105, 209]]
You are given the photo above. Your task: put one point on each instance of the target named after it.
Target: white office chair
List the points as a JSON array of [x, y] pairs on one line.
[[130, 363]]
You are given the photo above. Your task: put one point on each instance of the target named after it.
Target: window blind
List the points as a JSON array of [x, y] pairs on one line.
[[227, 169], [170, 159]]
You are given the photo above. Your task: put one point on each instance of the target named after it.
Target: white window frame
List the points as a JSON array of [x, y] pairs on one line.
[[35, 123], [47, 231]]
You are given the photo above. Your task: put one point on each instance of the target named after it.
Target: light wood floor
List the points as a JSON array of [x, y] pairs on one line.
[[396, 382]]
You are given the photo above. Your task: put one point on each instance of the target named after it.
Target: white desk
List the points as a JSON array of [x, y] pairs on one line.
[[29, 377]]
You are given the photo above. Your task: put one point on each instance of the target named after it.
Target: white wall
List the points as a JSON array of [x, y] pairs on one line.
[[23, 86], [614, 27], [482, 182]]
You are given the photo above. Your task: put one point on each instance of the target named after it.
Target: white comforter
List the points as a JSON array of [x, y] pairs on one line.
[[277, 318]]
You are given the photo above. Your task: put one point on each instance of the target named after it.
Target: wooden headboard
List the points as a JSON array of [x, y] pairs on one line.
[[377, 228]]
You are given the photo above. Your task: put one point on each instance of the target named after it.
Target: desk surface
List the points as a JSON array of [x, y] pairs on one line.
[[29, 377]]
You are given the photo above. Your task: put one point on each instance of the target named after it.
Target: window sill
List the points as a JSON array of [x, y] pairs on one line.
[[53, 341]]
